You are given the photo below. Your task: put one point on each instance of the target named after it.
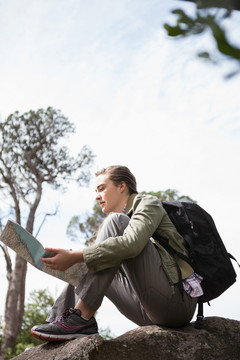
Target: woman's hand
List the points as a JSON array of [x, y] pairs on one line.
[[63, 259]]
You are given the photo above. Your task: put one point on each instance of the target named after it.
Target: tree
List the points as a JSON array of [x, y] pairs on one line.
[[209, 17], [33, 156]]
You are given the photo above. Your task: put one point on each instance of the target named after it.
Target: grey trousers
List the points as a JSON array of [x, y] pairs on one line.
[[139, 287]]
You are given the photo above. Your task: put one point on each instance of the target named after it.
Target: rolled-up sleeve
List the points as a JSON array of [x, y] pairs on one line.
[[147, 213]]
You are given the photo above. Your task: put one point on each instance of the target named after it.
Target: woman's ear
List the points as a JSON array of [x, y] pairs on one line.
[[123, 186]]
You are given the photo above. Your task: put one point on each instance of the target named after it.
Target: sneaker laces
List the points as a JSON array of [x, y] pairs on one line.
[[64, 315]]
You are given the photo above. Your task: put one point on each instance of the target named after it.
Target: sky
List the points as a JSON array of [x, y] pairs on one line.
[[137, 98]]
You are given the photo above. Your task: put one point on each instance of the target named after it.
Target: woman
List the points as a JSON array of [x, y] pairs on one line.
[[125, 264]]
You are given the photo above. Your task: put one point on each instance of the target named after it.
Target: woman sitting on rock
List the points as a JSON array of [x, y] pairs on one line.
[[125, 264]]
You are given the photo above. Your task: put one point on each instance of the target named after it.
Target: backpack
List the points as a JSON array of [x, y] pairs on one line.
[[207, 253]]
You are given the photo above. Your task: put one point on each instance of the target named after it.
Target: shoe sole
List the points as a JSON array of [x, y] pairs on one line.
[[51, 337]]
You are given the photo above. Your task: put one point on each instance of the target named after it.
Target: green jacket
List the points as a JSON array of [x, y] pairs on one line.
[[147, 216]]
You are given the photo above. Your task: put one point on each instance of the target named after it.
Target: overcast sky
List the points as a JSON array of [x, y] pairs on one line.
[[137, 98]]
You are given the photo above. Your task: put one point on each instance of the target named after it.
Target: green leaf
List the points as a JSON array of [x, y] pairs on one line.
[[174, 31]]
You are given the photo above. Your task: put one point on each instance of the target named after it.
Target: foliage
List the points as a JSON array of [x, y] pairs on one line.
[[106, 333], [226, 4], [36, 312], [31, 152], [208, 17], [168, 195]]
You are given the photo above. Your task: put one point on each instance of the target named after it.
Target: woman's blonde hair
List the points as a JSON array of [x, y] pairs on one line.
[[117, 174]]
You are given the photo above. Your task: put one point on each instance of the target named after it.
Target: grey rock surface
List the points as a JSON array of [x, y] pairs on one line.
[[218, 340]]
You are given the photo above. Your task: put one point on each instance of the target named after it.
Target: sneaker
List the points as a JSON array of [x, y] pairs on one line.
[[70, 325]]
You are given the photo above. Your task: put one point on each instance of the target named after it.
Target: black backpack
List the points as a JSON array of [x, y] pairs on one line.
[[207, 253]]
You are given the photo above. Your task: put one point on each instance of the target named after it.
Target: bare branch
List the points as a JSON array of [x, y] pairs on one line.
[[44, 219]]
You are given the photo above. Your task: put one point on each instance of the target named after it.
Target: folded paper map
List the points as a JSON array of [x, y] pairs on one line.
[[31, 250]]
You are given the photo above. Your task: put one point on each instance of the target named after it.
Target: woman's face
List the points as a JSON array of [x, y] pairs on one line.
[[109, 195]]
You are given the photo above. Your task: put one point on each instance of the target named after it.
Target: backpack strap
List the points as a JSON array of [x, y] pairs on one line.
[[233, 258], [199, 321], [165, 244]]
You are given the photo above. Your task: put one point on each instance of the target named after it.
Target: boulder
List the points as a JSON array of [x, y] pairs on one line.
[[219, 339]]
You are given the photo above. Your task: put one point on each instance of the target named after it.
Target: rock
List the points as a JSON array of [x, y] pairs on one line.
[[219, 339]]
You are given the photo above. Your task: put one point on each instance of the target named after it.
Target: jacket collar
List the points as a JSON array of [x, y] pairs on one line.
[[130, 203]]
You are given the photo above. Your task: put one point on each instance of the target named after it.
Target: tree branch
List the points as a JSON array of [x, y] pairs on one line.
[[44, 219], [8, 260]]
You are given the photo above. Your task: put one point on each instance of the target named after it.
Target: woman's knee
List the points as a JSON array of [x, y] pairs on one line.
[[113, 225], [119, 220]]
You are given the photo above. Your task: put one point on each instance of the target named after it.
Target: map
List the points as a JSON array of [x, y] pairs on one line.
[[31, 250]]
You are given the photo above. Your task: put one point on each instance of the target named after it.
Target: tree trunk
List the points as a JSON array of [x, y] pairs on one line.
[[14, 307]]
